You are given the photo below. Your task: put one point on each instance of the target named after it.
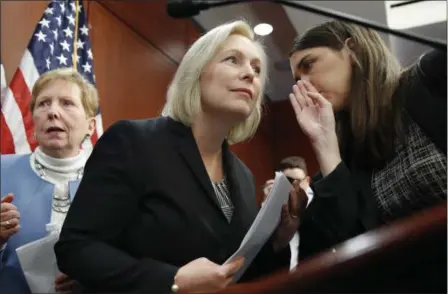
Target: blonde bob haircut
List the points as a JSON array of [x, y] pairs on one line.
[[184, 92], [89, 94]]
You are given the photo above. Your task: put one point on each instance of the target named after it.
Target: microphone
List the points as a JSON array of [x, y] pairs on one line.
[[183, 9], [189, 8]]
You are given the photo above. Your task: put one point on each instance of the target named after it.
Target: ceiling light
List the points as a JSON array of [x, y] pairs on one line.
[[263, 29], [412, 14]]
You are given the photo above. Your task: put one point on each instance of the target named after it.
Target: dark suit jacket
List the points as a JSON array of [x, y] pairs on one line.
[[146, 207], [343, 206]]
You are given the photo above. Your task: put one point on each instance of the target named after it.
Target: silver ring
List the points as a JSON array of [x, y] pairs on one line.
[[7, 223], [294, 216]]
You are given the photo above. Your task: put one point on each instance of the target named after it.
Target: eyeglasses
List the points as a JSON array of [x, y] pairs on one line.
[[291, 180]]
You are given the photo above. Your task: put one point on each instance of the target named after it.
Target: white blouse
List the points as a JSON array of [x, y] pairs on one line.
[[58, 172]]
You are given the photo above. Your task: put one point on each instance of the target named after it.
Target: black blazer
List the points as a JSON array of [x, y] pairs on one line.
[[343, 206], [146, 207]]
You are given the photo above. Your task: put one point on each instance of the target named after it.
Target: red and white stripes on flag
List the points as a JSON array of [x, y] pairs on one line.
[[16, 113], [51, 46], [6, 136], [3, 82]]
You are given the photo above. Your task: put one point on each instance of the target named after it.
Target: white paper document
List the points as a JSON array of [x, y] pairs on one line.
[[264, 224], [38, 262]]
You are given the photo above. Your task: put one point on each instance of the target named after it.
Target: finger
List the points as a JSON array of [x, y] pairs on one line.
[[309, 87], [8, 198], [284, 216], [299, 96], [239, 261], [285, 211], [267, 191], [295, 104], [60, 278], [303, 91], [9, 232], [270, 182], [231, 268], [8, 206], [10, 214], [227, 281], [293, 201], [11, 223], [237, 264], [319, 99], [64, 286]]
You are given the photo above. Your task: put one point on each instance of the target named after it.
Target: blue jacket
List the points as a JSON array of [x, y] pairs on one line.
[[33, 198]]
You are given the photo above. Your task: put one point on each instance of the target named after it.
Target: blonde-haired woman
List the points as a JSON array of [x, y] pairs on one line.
[[39, 187], [378, 131], [164, 202]]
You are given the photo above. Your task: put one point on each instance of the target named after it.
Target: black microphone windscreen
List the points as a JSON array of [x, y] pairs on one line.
[[182, 8]]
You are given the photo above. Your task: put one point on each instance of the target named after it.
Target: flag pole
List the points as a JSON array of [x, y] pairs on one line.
[[75, 40]]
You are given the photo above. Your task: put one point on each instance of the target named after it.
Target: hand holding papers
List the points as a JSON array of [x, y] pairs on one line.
[[38, 263], [264, 224]]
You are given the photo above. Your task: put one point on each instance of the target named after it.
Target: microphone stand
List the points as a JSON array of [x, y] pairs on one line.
[[436, 44]]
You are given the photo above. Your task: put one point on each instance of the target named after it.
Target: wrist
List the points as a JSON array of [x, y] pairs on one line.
[[328, 162], [326, 144], [327, 154], [278, 243]]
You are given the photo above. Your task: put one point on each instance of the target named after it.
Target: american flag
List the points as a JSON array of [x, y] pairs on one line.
[[3, 81], [4, 131], [51, 46]]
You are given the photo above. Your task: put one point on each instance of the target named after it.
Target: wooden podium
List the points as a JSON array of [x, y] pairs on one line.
[[408, 256]]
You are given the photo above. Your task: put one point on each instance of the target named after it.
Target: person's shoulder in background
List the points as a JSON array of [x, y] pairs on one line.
[[432, 69]]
